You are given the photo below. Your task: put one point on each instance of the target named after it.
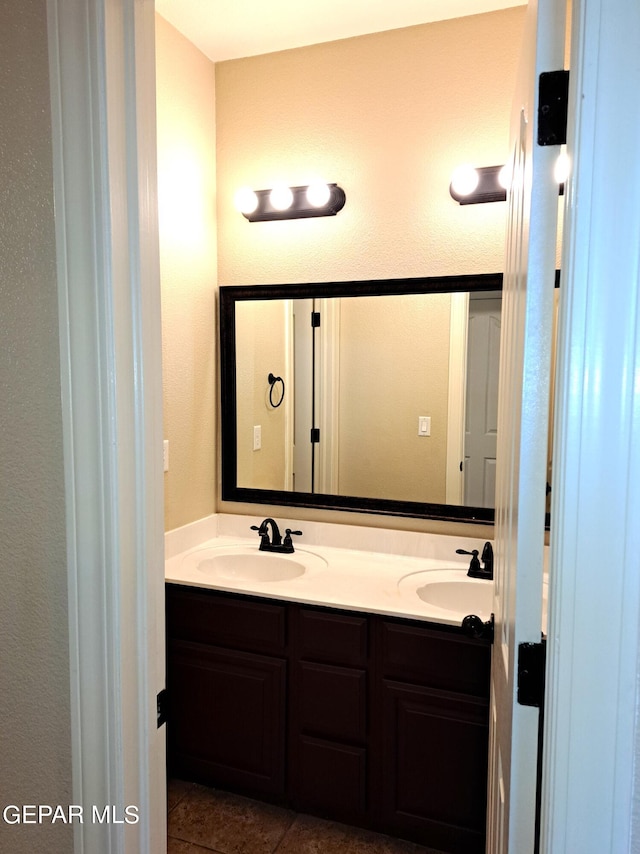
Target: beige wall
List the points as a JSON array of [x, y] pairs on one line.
[[387, 116], [35, 727], [187, 200], [261, 350], [394, 367]]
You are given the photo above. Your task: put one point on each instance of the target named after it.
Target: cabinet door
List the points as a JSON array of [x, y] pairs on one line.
[[227, 717], [434, 767]]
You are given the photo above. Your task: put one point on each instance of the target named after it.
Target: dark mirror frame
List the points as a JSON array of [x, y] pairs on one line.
[[230, 295]]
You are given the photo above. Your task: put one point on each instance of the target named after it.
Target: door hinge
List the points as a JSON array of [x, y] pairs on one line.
[[315, 319], [315, 435], [161, 700], [553, 101], [531, 669]]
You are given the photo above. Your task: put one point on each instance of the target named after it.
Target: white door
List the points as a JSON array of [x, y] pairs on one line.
[[527, 310], [481, 410]]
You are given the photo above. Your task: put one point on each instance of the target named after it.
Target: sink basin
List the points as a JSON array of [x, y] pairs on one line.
[[450, 590], [247, 564], [251, 567], [471, 596]]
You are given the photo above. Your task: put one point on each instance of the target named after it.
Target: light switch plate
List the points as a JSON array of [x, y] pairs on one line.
[[424, 425], [257, 437]]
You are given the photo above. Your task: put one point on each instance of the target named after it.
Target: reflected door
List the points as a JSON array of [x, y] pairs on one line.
[[303, 390], [481, 410]]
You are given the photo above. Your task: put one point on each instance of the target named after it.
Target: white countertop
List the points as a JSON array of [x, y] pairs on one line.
[[380, 581]]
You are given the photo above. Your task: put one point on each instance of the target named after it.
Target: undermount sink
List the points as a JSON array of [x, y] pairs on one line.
[[245, 563], [471, 596], [450, 590]]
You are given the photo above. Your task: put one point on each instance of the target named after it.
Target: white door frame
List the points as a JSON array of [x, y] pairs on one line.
[[102, 73], [327, 389], [590, 799], [113, 432], [289, 372], [457, 395]]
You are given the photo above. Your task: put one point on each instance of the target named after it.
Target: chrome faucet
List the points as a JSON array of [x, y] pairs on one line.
[[475, 570], [276, 543]]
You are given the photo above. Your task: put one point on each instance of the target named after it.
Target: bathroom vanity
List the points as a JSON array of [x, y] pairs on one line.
[[369, 715]]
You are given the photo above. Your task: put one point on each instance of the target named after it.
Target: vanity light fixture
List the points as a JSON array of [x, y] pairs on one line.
[[283, 202], [472, 185]]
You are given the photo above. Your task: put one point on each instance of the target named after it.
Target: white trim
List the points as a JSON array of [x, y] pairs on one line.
[[327, 383], [523, 424], [591, 726], [457, 397], [148, 676], [101, 69], [289, 373]]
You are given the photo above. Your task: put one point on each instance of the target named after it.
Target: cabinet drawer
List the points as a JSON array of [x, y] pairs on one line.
[[214, 618], [331, 779], [441, 660], [332, 638], [332, 701]]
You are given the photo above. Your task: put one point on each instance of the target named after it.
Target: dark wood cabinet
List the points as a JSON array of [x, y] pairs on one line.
[[433, 735], [329, 713], [238, 742], [227, 700], [434, 767], [361, 718]]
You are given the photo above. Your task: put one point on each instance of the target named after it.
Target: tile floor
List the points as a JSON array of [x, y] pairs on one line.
[[202, 821]]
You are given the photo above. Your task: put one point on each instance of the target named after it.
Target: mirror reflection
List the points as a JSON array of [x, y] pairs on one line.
[[386, 397], [391, 397]]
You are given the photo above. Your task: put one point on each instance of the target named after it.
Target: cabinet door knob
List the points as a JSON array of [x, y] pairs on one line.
[[474, 627]]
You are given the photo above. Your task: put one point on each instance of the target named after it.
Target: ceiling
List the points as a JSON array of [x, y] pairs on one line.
[[228, 29]]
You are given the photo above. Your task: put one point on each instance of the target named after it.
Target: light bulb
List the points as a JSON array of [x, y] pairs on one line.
[[318, 194], [465, 180], [561, 169], [281, 197], [246, 200], [505, 175]]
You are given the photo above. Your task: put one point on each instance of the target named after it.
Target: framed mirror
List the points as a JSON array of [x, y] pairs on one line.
[[373, 396]]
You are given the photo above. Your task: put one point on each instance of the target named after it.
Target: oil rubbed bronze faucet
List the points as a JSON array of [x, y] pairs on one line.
[[475, 570], [276, 543]]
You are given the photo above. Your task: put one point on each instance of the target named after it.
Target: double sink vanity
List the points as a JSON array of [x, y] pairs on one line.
[[436, 588], [335, 678], [332, 673]]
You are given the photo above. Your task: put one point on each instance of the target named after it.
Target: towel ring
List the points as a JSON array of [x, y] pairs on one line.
[[272, 382]]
